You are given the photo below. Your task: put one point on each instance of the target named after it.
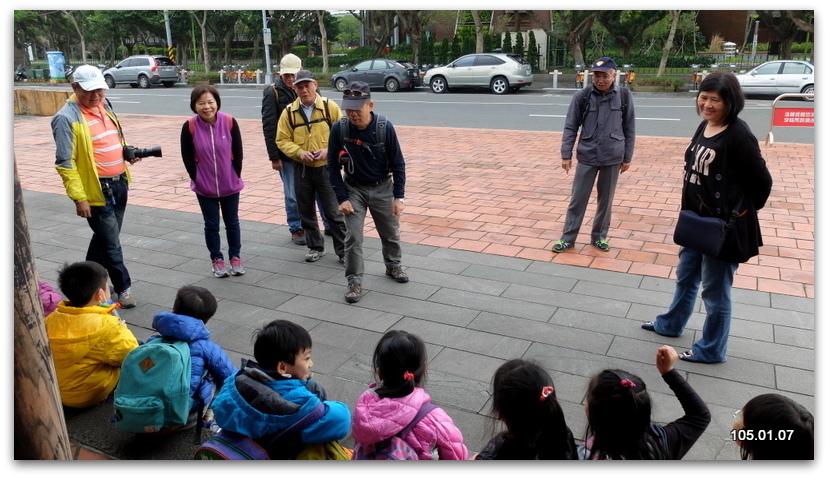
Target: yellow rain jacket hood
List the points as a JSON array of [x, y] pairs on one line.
[[88, 346]]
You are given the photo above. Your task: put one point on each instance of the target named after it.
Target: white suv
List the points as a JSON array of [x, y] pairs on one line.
[[143, 71], [499, 72]]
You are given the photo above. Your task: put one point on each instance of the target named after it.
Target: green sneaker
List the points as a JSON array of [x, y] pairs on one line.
[[602, 246], [561, 246]]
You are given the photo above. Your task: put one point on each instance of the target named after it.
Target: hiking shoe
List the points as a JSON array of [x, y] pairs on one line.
[[602, 246], [126, 300], [219, 270], [298, 237], [313, 255], [397, 273], [561, 246], [354, 292], [236, 267]]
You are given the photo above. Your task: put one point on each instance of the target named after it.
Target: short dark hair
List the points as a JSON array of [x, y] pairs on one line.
[[196, 302], [280, 341], [199, 90], [729, 89], [80, 281], [778, 415]]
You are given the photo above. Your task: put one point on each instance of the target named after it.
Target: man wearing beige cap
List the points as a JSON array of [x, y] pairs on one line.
[[90, 160], [275, 98]]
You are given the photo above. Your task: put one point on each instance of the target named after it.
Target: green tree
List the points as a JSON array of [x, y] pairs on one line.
[[349, 31], [415, 22], [507, 42], [783, 26], [519, 50], [532, 52], [445, 51], [378, 26], [627, 26]]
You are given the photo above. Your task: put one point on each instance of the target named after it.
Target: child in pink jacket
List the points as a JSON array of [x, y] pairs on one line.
[[392, 403]]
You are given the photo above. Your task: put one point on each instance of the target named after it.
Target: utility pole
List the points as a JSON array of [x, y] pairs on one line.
[[755, 41], [267, 41], [170, 47]]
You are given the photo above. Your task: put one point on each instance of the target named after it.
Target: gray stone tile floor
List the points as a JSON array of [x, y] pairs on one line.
[[473, 310]]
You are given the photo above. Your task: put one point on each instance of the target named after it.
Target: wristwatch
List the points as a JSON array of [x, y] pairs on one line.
[[402, 200]]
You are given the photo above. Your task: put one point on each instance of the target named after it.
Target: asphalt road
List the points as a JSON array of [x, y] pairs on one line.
[[657, 114]]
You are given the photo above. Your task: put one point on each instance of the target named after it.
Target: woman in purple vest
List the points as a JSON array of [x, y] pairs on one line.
[[211, 148]]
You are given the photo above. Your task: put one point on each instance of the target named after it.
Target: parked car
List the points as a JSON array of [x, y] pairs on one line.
[[385, 73], [143, 71], [499, 72], [778, 77]]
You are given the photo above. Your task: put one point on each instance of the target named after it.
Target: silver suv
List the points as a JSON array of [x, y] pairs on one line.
[[499, 72], [143, 71]]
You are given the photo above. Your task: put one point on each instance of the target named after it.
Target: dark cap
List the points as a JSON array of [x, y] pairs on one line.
[[603, 64], [355, 95], [303, 75]]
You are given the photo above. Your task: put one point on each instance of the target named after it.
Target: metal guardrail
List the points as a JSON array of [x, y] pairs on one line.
[[791, 116]]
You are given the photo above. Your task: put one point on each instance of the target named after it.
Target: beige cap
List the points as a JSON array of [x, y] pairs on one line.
[[290, 64]]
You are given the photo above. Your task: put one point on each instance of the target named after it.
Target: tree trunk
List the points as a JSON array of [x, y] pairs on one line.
[[205, 50], [668, 45], [478, 30], [39, 427], [320, 14]]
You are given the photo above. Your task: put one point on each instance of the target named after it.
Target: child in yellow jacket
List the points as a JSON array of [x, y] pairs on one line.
[[88, 341]]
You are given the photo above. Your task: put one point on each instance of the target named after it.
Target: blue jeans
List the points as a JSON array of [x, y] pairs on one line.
[[105, 245], [716, 278], [229, 206], [291, 206]]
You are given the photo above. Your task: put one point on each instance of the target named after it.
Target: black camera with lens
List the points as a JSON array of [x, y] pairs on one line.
[[131, 152]]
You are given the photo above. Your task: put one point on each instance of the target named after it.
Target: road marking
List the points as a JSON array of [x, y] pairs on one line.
[[637, 118]]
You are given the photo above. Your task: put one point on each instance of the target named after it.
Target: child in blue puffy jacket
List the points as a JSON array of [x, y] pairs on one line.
[[211, 366], [276, 391]]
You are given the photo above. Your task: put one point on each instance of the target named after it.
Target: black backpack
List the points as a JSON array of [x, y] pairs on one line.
[[625, 100], [380, 125]]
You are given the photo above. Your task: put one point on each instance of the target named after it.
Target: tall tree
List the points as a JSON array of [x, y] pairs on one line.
[[572, 27], [668, 45], [783, 26], [320, 16], [39, 427], [285, 27], [478, 31], [223, 25], [627, 26], [414, 22], [378, 25], [200, 16]]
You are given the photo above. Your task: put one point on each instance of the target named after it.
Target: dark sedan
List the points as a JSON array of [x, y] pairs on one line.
[[393, 75]]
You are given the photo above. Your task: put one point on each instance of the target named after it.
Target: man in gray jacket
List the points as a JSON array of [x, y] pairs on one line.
[[606, 117]]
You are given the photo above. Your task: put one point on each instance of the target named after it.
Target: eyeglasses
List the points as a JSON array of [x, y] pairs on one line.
[[356, 93], [737, 418]]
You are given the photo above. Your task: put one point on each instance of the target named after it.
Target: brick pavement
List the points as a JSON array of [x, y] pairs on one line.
[[497, 192]]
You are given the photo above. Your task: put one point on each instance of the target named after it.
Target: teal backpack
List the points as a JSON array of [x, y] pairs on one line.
[[153, 394]]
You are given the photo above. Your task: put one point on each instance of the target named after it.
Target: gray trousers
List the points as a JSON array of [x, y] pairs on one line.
[[379, 200], [312, 185], [582, 185]]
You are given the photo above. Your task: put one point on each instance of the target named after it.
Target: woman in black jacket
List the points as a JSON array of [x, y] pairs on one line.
[[724, 171]]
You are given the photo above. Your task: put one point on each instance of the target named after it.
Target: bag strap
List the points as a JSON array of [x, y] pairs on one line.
[[267, 441], [424, 410]]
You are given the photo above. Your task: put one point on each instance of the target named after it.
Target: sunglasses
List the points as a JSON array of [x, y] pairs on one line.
[[356, 94]]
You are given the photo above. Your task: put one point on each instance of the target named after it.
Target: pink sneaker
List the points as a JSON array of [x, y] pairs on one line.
[[236, 267], [218, 268]]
